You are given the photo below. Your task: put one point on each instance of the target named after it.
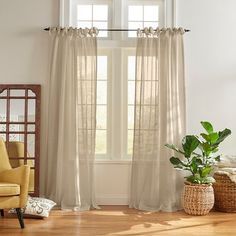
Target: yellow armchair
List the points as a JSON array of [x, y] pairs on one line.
[[16, 149], [14, 185]]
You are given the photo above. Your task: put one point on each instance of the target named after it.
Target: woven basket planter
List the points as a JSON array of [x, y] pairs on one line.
[[225, 193], [197, 199]]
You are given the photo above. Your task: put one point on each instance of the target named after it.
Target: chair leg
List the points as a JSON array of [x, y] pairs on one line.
[[2, 212], [20, 217]]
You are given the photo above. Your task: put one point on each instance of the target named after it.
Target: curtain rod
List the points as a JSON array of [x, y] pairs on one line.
[[186, 30]]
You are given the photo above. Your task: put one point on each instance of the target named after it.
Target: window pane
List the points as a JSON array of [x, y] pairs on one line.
[[100, 12], [134, 25], [17, 109], [2, 127], [84, 12], [84, 24], [154, 25], [17, 92], [101, 117], [3, 136], [15, 127], [3, 93], [151, 13], [31, 128], [16, 137], [102, 68], [130, 142], [131, 92], [31, 110], [3, 109], [31, 145], [101, 92], [130, 117], [135, 13], [101, 25], [31, 93], [101, 142], [131, 68]]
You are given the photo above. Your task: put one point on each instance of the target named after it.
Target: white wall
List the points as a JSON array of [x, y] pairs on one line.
[[112, 183], [23, 43], [210, 58], [210, 51], [24, 46]]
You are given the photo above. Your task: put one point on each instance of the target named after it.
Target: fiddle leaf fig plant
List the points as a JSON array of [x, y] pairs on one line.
[[199, 153]]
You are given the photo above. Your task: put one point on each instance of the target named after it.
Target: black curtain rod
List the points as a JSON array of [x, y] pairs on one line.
[[186, 30]]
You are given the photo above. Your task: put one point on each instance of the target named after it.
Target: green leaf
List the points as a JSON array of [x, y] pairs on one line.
[[222, 135], [215, 150], [206, 147], [194, 179], [179, 167], [194, 165], [207, 126], [199, 180], [175, 161], [199, 161], [205, 171], [190, 178], [189, 143], [213, 137], [173, 147], [205, 136], [217, 158]]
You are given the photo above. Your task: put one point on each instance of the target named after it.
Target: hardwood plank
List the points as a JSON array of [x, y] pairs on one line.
[[120, 220]]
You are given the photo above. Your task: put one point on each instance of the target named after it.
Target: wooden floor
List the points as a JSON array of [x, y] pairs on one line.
[[120, 220]]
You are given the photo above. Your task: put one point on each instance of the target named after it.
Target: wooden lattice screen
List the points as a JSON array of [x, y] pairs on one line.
[[20, 127]]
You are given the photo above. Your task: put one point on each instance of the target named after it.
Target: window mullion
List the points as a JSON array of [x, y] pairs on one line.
[[116, 111], [117, 18], [125, 102]]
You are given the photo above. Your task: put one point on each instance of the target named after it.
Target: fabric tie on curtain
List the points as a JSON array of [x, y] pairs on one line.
[[72, 118], [159, 119]]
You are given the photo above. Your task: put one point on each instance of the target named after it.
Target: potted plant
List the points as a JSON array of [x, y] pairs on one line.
[[199, 156]]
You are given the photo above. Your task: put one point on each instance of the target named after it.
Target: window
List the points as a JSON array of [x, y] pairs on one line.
[[102, 130], [91, 14], [116, 66], [131, 96], [140, 16]]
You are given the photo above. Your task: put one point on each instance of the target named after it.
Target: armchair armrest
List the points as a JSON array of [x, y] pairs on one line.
[[19, 175]]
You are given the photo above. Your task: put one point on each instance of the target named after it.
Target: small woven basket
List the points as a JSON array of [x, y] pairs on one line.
[[197, 199], [225, 193]]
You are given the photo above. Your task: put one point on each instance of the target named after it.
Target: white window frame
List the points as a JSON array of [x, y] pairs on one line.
[[74, 3], [117, 48], [125, 54], [169, 9], [160, 3], [108, 53]]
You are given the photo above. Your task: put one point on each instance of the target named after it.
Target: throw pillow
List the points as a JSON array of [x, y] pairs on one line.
[[36, 206]]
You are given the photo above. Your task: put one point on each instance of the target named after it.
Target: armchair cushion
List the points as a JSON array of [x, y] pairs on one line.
[[8, 189], [19, 176]]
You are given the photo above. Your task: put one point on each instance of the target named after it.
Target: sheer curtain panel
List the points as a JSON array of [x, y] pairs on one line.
[[159, 119], [71, 119]]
